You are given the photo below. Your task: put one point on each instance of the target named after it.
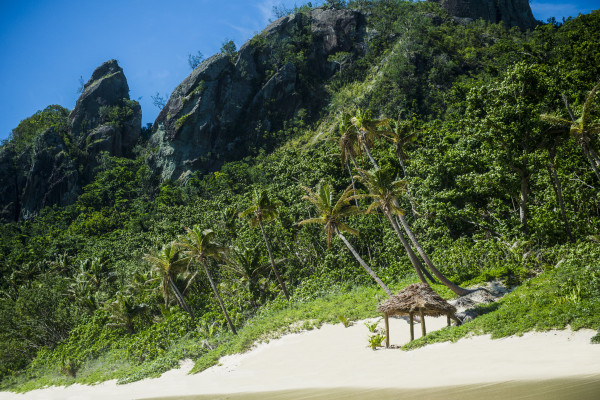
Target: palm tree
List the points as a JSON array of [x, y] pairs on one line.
[[247, 264], [198, 246], [168, 263], [400, 134], [122, 311], [384, 190], [367, 131], [371, 124], [262, 211], [582, 129], [349, 146], [332, 211]]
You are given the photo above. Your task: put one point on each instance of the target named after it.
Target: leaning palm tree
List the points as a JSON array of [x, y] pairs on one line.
[[262, 211], [198, 246], [582, 129], [247, 264], [400, 134], [168, 264], [349, 146], [332, 211], [367, 131], [122, 312], [384, 190], [373, 124]]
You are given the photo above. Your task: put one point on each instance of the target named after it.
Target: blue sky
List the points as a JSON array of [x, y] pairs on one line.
[[45, 46]]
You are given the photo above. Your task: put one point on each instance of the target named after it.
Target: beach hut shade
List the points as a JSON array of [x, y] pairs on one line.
[[416, 299]]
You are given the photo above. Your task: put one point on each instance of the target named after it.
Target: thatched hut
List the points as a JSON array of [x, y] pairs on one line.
[[416, 299]]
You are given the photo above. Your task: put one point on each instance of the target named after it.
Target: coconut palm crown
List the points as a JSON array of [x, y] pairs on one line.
[[199, 246], [261, 211], [333, 210]]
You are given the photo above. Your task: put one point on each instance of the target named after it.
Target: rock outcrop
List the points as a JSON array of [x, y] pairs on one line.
[[104, 119], [12, 182], [511, 12], [52, 178], [52, 170], [229, 103]]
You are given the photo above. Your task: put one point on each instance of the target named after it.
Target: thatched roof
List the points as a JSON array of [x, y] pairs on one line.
[[415, 298]]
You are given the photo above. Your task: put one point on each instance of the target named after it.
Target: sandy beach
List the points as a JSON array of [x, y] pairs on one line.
[[336, 360]]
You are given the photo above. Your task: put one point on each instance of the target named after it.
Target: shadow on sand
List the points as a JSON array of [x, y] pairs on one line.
[[582, 388]]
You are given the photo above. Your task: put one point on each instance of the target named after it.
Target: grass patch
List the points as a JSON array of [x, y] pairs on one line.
[[556, 299]]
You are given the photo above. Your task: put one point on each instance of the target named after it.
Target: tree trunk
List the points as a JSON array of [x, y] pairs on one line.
[[368, 151], [281, 283], [524, 194], [182, 303], [363, 263], [455, 288], [587, 152], [353, 185], [405, 176], [558, 190], [214, 288], [411, 254]]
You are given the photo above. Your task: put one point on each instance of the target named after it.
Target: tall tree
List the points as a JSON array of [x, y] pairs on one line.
[[199, 247], [262, 211], [332, 212], [506, 115]]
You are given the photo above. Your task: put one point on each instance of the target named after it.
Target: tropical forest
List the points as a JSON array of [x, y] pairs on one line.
[[346, 151]]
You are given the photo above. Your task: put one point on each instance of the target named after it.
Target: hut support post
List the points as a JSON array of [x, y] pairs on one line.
[[387, 332], [448, 318], [423, 330], [412, 327]]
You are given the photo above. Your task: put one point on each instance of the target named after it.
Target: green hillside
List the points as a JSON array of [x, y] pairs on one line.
[[486, 137]]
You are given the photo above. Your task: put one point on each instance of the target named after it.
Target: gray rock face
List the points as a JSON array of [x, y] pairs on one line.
[[12, 182], [104, 104], [52, 178], [227, 105], [512, 12]]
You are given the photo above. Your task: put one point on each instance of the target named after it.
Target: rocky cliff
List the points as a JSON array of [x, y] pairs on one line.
[[104, 119], [230, 102], [511, 12], [52, 169]]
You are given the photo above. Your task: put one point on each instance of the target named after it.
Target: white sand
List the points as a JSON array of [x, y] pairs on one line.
[[334, 356]]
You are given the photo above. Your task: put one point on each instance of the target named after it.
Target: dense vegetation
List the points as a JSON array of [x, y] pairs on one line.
[[470, 128]]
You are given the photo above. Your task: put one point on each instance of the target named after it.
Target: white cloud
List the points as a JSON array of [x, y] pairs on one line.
[[266, 9]]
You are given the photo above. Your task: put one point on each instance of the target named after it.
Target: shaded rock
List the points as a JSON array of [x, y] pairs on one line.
[[52, 178], [12, 182], [511, 12], [226, 106]]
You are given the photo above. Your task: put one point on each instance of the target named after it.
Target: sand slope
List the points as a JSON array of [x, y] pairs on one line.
[[338, 357]]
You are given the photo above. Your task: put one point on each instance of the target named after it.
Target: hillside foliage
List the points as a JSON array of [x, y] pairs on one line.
[[491, 190]]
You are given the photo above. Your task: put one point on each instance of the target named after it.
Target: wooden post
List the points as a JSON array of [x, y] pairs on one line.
[[423, 330], [412, 327], [387, 332], [448, 318]]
